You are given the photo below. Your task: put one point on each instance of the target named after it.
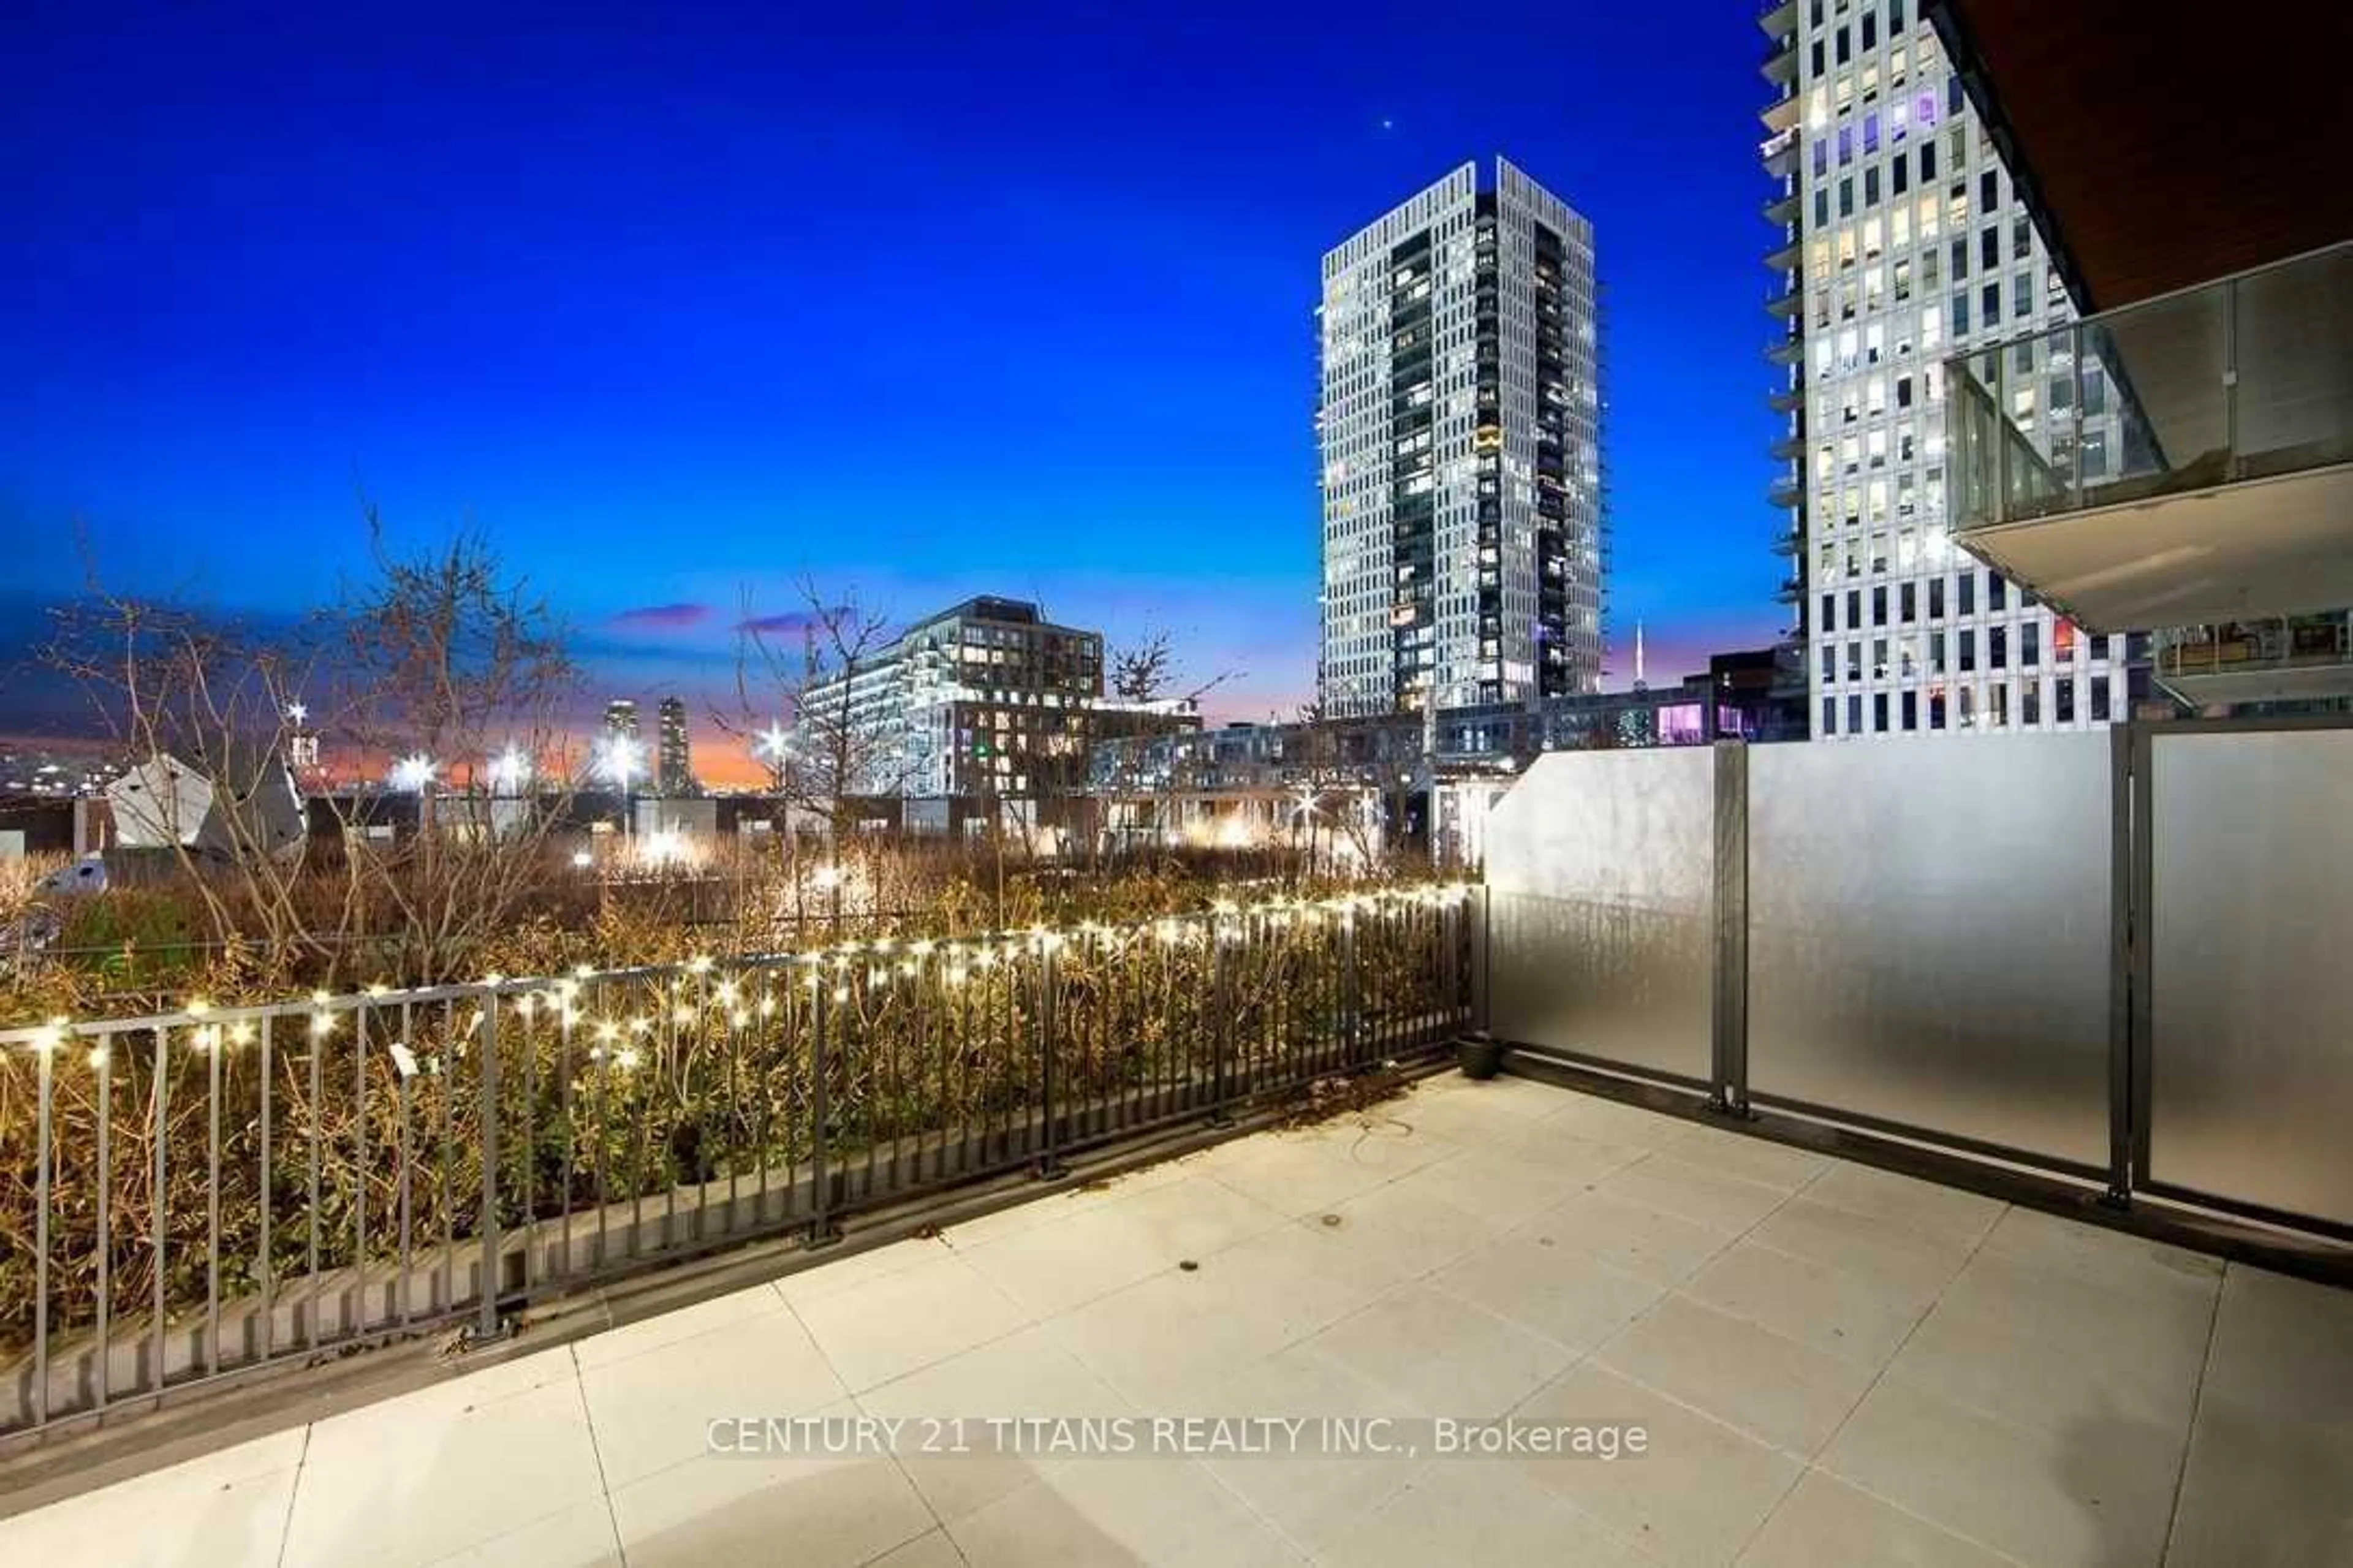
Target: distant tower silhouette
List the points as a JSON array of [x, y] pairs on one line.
[[674, 772], [1640, 684]]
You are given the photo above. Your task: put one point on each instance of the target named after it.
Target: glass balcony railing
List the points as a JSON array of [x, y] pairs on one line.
[[2248, 377]]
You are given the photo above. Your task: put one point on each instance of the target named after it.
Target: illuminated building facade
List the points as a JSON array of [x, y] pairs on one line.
[[1459, 427], [1900, 241]]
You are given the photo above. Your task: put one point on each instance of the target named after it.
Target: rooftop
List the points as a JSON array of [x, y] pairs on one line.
[[1831, 1364]]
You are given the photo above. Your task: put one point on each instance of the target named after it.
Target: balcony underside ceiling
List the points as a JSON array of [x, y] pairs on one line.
[[2119, 118], [2264, 547]]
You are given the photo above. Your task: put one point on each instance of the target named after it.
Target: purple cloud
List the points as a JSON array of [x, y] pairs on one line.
[[784, 621], [676, 617]]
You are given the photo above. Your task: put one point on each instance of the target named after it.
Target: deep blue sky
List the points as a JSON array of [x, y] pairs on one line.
[[675, 300]]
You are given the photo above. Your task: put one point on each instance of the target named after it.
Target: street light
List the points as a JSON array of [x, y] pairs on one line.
[[509, 770], [413, 773], [774, 744], [621, 759]]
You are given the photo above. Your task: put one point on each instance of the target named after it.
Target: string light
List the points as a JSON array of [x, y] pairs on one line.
[[958, 957]]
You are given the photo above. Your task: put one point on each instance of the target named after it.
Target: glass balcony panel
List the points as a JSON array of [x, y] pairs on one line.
[[2186, 459], [2165, 422], [2292, 328]]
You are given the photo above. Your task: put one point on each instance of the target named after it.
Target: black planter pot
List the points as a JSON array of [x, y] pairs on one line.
[[1482, 1056]]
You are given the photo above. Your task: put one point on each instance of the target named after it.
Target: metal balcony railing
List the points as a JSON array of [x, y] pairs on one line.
[[207, 1192], [2297, 655], [2248, 377]]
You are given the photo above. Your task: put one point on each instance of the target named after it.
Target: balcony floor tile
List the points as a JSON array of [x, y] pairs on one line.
[[1833, 1364]]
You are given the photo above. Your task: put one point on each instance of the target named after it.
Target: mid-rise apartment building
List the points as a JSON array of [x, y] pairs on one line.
[[984, 700], [1459, 427], [1902, 242]]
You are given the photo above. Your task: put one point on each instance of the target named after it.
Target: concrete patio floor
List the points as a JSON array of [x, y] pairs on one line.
[[1833, 1365]]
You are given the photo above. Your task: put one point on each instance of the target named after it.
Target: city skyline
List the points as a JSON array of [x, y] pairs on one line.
[[610, 408]]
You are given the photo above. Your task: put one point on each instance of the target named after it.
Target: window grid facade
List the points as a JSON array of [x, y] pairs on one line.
[[1459, 429], [1901, 243], [984, 699]]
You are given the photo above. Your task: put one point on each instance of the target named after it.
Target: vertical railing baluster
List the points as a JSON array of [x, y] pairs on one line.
[[893, 1016], [1449, 969], [865, 1005], [161, 1218], [1221, 1042], [937, 1135], [821, 1227], [265, 1265], [1049, 1162], [446, 1079], [799, 992], [1351, 1027], [104, 1053], [670, 1057], [220, 1042], [771, 1023], [317, 1134], [630, 1059], [403, 1078], [737, 1014], [607, 1033], [562, 1002], [527, 1145], [356, 1292], [45, 1072], [487, 1320]]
